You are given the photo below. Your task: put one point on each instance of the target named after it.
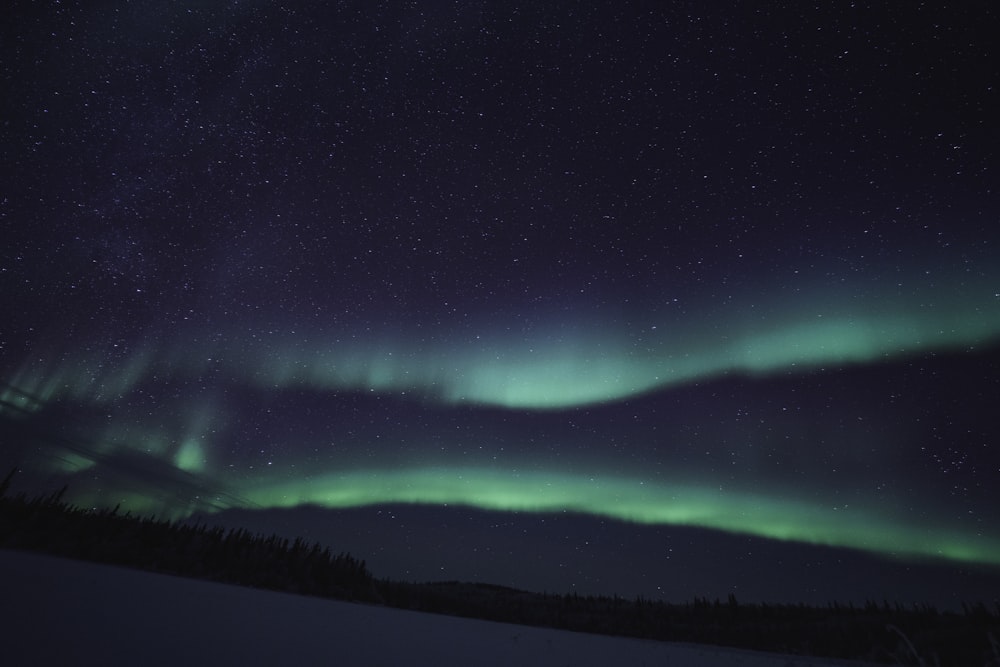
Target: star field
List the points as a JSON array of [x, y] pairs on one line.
[[712, 267]]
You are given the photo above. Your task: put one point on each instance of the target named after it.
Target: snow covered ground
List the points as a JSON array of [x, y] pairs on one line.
[[62, 612]]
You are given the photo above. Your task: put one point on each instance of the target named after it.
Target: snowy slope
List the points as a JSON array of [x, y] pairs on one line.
[[63, 612]]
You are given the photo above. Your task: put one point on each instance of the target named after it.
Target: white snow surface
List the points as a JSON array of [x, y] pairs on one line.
[[55, 611]]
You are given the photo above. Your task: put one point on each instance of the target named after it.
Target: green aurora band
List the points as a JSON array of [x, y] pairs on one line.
[[859, 525], [557, 371], [634, 500], [541, 371]]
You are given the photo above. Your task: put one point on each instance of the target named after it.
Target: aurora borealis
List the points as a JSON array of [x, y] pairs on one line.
[[720, 269]]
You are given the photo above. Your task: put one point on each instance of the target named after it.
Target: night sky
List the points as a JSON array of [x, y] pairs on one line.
[[601, 296]]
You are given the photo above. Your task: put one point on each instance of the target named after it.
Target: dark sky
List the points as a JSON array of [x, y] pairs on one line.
[[706, 269]]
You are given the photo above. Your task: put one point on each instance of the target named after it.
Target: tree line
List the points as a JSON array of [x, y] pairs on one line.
[[49, 525], [878, 632]]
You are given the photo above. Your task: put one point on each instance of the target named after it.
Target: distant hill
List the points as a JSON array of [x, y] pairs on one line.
[[876, 631]]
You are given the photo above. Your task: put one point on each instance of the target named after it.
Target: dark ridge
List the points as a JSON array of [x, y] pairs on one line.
[[877, 631]]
